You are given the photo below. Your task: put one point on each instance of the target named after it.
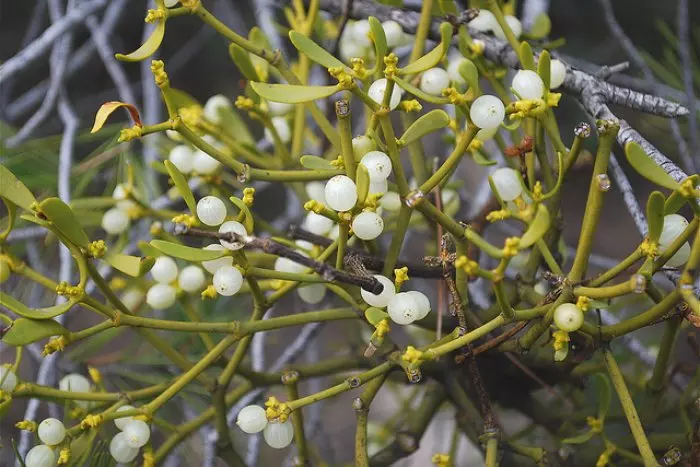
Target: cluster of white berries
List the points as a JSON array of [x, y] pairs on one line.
[[252, 419], [133, 435], [674, 225], [355, 41], [51, 433], [486, 22], [403, 307], [116, 220]]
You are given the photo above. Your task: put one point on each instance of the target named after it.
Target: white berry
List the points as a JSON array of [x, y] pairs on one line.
[[40, 456], [391, 201], [360, 32], [382, 186], [228, 281], [316, 191], [557, 73], [120, 450], [507, 183], [367, 225], [378, 165], [121, 422], [191, 279], [393, 32], [513, 23], [423, 303], [211, 210], [542, 287], [278, 109], [132, 298], [161, 296], [487, 111], [376, 93], [312, 294], [674, 225], [528, 84], [350, 49], [51, 431], [164, 270], [251, 419], [486, 134], [568, 317], [74, 383], [279, 435], [213, 107], [317, 224], [403, 308], [213, 265], [115, 221], [453, 70], [361, 145], [282, 128], [8, 379], [484, 22], [235, 227], [174, 136], [182, 157], [341, 193], [434, 80], [287, 265], [204, 164], [137, 433], [382, 299], [123, 201], [680, 257], [171, 3]]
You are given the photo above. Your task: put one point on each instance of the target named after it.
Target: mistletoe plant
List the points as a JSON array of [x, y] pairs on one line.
[[370, 183]]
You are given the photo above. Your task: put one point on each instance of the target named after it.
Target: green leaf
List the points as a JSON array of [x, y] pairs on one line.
[[543, 68], [256, 36], [362, 181], [470, 74], [243, 62], [375, 315], [314, 51], [187, 253], [315, 163], [108, 108], [65, 221], [481, 159], [643, 164], [379, 37], [408, 87], [292, 93], [540, 27], [528, 60], [537, 228], [604, 395], [234, 125], [80, 448], [182, 187], [93, 202], [181, 99], [448, 7], [513, 125], [21, 309], [14, 191], [149, 47], [134, 266], [433, 57], [655, 215], [676, 201], [432, 121], [580, 439], [25, 331], [148, 250]]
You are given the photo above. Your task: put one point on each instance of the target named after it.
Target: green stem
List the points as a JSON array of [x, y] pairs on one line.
[[643, 319], [392, 256], [491, 452], [451, 162], [658, 381], [424, 23], [298, 422], [618, 269], [362, 410]]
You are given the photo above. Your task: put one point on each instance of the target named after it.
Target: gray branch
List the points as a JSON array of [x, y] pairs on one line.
[[687, 62]]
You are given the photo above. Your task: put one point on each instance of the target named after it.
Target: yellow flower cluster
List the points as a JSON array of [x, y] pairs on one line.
[[412, 355], [276, 409], [56, 344]]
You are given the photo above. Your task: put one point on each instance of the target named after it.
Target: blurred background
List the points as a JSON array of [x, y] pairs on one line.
[[197, 61]]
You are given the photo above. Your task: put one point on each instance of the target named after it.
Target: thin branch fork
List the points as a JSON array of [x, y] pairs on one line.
[[267, 245]]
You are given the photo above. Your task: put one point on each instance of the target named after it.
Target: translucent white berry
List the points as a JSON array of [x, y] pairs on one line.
[[213, 265], [120, 450], [680, 257], [40, 456], [182, 157], [174, 135], [317, 224], [312, 294], [423, 303], [279, 435], [360, 32], [115, 221], [74, 383], [486, 134], [557, 73], [341, 193], [568, 317], [228, 281], [8, 379], [453, 70], [171, 3], [434, 80], [235, 227], [484, 22], [376, 92], [287, 265], [137, 433], [51, 431], [487, 111], [507, 183], [316, 191], [211, 210], [403, 308], [214, 105], [378, 165], [674, 225], [382, 186], [367, 225], [350, 49], [191, 279], [282, 128], [393, 32], [251, 419], [513, 23], [161, 296], [121, 422], [361, 145], [334, 233], [278, 109], [528, 84], [123, 201], [164, 270], [382, 299], [542, 287], [204, 164], [391, 201]]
